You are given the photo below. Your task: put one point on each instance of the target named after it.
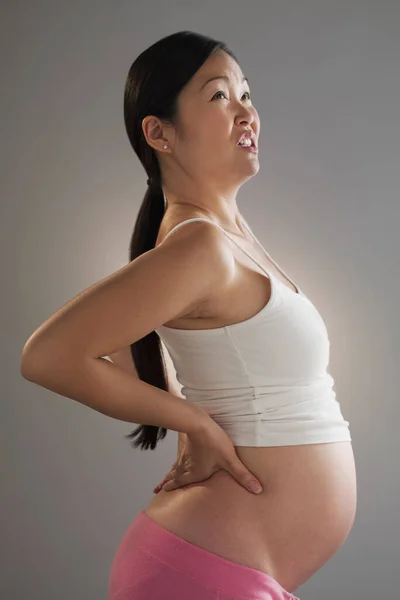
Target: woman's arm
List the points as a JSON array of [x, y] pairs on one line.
[[65, 353], [123, 359]]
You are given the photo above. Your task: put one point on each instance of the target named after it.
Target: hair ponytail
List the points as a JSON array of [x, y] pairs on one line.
[[147, 352]]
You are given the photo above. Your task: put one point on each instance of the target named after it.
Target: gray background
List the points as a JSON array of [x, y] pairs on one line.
[[325, 80]]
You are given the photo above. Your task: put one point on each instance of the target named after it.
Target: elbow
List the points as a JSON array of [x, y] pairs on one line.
[[39, 363], [34, 360], [29, 366]]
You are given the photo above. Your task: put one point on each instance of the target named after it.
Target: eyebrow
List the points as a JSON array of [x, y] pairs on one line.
[[221, 77]]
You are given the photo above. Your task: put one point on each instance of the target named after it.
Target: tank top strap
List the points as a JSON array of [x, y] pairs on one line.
[[228, 235], [299, 291]]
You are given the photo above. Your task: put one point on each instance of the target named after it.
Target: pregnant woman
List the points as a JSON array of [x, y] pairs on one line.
[[245, 380]]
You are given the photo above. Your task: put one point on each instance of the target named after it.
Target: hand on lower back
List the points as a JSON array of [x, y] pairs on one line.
[[202, 454]]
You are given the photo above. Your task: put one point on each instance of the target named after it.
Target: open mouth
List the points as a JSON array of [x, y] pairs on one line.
[[247, 138], [251, 147]]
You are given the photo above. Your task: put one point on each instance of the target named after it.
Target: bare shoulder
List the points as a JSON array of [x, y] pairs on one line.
[[206, 246], [160, 285], [182, 226]]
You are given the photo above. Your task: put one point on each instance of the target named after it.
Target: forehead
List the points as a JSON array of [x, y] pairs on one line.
[[219, 63]]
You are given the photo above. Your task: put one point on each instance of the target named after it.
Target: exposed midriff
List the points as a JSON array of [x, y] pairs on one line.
[[308, 503], [289, 531]]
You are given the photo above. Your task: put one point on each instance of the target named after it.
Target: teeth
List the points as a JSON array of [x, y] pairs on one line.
[[246, 142]]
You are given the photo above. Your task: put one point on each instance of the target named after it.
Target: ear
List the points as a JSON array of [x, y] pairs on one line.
[[156, 133]]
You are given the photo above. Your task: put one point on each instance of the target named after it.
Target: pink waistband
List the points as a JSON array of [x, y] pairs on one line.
[[209, 569]]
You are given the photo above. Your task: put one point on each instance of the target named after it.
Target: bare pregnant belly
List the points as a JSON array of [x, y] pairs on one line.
[[289, 531]]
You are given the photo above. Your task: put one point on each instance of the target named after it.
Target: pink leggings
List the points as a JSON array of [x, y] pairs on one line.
[[152, 563]]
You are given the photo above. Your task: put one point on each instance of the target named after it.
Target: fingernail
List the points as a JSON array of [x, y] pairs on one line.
[[256, 488]]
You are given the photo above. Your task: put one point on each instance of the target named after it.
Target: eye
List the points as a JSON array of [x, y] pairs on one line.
[[221, 92]]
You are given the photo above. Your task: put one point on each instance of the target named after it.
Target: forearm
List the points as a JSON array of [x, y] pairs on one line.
[[175, 388], [103, 386]]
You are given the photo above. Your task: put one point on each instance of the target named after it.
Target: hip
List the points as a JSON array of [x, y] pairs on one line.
[[303, 515]]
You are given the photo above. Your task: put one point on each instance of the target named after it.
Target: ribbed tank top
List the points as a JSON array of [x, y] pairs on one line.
[[264, 380]]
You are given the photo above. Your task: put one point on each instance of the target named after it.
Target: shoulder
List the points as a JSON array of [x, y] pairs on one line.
[[200, 249], [182, 224], [201, 236]]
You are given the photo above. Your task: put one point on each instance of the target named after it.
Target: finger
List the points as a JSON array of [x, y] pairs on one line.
[[171, 475], [185, 478], [168, 476], [170, 485], [245, 477], [158, 487]]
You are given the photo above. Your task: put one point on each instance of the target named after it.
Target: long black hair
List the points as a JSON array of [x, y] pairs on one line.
[[152, 87]]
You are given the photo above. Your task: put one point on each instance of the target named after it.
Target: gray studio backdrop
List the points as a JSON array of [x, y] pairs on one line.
[[325, 80]]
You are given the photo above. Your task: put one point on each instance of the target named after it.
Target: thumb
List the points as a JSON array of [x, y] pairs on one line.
[[244, 477]]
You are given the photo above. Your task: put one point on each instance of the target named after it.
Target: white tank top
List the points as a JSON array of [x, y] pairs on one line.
[[263, 380]]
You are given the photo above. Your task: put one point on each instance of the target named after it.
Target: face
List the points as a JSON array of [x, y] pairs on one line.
[[212, 117]]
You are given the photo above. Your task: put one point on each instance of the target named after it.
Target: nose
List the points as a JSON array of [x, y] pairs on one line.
[[245, 115]]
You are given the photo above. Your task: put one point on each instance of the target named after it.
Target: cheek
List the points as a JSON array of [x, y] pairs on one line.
[[257, 118], [209, 135]]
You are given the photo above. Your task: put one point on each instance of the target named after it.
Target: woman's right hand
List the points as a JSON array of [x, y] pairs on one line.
[[203, 453]]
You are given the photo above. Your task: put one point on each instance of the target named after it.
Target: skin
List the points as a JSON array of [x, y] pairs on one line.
[[307, 506], [202, 168], [123, 359]]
